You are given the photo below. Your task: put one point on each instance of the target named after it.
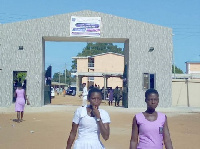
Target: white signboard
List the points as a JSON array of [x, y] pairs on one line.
[[85, 26]]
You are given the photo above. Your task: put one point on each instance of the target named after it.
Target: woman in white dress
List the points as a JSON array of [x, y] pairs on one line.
[[90, 121]]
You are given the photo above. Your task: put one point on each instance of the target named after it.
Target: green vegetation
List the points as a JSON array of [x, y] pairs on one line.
[[20, 76], [177, 70], [69, 79]]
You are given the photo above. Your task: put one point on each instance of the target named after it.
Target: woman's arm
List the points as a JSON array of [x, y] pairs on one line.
[[104, 129], [134, 135], [72, 135], [166, 136]]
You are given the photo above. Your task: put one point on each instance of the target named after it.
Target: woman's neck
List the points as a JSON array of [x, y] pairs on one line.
[[150, 111]]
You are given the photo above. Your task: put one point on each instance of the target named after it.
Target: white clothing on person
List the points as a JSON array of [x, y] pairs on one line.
[[84, 94], [88, 130]]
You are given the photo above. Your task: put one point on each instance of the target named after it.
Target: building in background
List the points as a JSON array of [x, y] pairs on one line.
[[92, 70], [192, 67]]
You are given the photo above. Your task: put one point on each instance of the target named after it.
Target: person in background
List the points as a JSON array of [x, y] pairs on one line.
[[60, 91], [64, 92], [150, 127], [15, 84], [102, 90], [21, 98], [84, 95], [57, 91], [116, 96], [24, 85], [92, 86], [110, 95], [90, 121]]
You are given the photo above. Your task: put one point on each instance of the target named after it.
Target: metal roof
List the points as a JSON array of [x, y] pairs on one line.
[[99, 74], [192, 62], [85, 57]]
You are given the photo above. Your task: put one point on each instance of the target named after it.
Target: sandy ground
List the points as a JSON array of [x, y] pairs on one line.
[[48, 127]]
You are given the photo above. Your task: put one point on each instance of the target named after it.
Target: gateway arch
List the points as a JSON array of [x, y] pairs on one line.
[[148, 52]]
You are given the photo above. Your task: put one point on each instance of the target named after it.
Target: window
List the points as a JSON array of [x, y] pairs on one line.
[[90, 62], [152, 81], [148, 81], [90, 78], [21, 48]]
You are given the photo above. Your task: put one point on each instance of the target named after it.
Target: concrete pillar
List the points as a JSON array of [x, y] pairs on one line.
[[104, 96], [106, 81], [105, 85], [78, 84]]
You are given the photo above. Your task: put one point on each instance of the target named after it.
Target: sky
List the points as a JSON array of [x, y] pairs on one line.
[[183, 16]]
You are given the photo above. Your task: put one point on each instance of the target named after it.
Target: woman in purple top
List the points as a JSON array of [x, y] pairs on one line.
[[20, 95], [150, 126]]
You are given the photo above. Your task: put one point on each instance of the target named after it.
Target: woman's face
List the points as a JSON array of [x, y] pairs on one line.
[[95, 99], [152, 101]]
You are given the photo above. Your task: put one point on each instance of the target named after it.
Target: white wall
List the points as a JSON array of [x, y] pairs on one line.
[[186, 93]]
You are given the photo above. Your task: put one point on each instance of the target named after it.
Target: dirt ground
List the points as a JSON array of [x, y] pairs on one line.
[[50, 129]]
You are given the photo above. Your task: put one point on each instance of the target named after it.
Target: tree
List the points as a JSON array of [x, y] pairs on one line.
[[177, 70], [69, 79], [20, 76], [97, 48]]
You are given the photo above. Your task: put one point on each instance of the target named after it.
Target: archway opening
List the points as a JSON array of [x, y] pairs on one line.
[[70, 47]]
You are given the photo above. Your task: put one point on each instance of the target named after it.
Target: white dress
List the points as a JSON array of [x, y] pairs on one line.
[[88, 131], [85, 93]]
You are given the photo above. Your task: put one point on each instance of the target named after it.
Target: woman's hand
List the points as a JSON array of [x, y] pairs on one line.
[[104, 127], [96, 112]]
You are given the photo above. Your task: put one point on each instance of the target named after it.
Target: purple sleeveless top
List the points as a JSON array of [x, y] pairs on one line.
[[150, 133], [20, 93]]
